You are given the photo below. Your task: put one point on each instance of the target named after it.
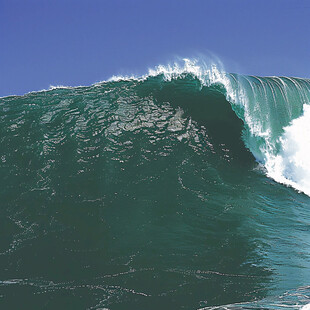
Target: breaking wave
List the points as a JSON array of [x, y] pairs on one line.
[[161, 190], [269, 108]]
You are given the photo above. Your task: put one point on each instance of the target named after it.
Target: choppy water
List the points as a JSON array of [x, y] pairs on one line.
[[185, 189]]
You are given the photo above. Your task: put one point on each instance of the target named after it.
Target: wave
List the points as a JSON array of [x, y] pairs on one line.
[[156, 177], [269, 108], [274, 111]]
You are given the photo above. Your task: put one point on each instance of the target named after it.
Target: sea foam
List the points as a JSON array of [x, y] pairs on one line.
[[291, 165]]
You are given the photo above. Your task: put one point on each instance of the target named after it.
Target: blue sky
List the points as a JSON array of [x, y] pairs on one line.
[[79, 42]]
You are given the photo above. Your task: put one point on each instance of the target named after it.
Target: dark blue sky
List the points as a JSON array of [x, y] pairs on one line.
[[79, 42]]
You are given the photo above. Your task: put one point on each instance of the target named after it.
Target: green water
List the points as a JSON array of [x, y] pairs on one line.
[[141, 194]]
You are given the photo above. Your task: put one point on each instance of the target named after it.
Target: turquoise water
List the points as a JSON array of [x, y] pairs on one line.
[[172, 191]]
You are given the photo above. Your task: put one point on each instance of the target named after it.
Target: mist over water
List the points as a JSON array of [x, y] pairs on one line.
[[184, 189]]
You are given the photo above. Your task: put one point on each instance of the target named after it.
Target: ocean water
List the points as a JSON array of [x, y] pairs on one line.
[[187, 188]]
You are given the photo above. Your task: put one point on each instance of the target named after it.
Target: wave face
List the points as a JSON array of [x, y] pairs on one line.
[[164, 191]]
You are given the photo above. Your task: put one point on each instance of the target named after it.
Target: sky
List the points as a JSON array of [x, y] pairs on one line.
[[80, 42]]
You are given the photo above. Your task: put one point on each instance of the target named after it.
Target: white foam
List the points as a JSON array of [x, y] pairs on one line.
[[208, 73], [291, 165]]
